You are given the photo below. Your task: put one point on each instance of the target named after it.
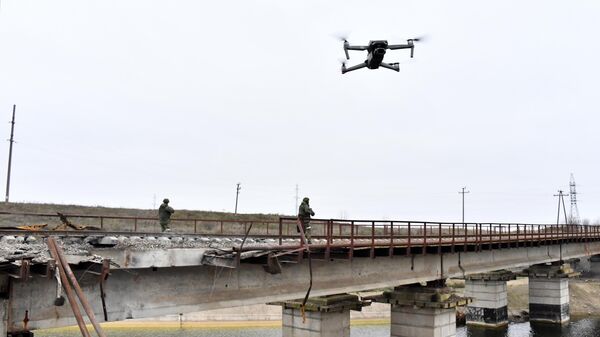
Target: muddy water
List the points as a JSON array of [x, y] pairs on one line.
[[577, 328]]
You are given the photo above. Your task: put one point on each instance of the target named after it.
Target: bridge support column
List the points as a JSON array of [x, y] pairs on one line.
[[549, 293], [327, 316], [422, 311], [489, 307], [3, 317]]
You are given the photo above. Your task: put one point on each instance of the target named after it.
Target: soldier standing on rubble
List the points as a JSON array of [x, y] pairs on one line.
[[304, 214], [164, 215]]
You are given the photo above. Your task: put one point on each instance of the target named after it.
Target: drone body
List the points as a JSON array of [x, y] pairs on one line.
[[376, 50]]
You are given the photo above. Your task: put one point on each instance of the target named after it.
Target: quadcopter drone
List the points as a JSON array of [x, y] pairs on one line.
[[377, 49]]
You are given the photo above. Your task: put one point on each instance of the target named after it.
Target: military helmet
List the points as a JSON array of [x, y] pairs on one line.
[[166, 201], [305, 200]]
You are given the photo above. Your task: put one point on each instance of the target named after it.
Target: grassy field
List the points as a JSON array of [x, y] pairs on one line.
[[233, 222]]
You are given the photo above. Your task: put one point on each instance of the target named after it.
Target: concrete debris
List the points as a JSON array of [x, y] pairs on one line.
[[9, 239], [17, 248], [31, 239], [105, 241]]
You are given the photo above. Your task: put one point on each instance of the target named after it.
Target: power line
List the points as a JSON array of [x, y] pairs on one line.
[[561, 198], [12, 132], [463, 192], [574, 216], [237, 194]]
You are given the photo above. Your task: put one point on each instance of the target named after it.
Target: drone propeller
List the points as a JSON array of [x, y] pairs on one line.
[[344, 38], [421, 38], [412, 41]]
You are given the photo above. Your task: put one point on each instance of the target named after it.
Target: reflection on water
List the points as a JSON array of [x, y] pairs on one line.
[[589, 327]]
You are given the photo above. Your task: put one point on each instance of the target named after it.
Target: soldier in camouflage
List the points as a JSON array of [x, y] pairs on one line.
[[164, 215], [304, 214]]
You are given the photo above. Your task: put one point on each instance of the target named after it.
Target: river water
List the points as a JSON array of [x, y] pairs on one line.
[[588, 327]]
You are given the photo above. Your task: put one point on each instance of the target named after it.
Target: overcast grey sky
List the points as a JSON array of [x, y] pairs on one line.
[[120, 100]]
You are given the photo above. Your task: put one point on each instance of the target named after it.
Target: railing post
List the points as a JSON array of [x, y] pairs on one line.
[[439, 238], [453, 241], [280, 230], [480, 245], [195, 226], [500, 236], [491, 238], [466, 229], [391, 238], [135, 225], [408, 240], [351, 252], [328, 230], [221, 226], [372, 239], [101, 222], [424, 238]]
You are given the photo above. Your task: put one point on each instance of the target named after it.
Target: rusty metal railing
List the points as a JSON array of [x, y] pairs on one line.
[[411, 236]]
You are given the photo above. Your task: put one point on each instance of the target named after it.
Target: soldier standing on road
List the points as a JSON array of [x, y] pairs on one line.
[[304, 214], [164, 215]]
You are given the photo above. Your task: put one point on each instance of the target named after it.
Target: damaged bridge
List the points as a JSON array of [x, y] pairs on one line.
[[128, 274]]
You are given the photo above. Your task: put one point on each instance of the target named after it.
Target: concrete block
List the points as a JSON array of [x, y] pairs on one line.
[[317, 324], [489, 306], [549, 300], [422, 322]]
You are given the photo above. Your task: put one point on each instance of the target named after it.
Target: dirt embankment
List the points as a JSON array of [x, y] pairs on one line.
[[584, 297], [7, 220]]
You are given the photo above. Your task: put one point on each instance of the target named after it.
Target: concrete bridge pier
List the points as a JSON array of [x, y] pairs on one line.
[[549, 293], [423, 311], [327, 316], [3, 317], [489, 308]]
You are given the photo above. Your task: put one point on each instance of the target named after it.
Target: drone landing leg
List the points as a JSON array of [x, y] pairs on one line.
[[358, 66], [391, 66]]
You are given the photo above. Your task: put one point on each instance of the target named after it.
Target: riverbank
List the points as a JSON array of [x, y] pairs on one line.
[[584, 297]]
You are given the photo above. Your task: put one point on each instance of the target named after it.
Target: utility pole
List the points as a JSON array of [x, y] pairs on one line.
[[463, 202], [574, 216], [154, 201], [296, 209], [12, 132], [237, 194], [561, 199]]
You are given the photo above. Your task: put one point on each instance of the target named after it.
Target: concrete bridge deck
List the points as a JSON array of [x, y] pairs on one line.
[[187, 272]]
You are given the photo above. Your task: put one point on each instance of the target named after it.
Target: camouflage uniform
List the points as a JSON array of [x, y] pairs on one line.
[[164, 214], [304, 214]]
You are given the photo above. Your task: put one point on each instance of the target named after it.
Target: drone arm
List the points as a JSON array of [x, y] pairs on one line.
[[391, 66], [356, 47], [358, 66], [400, 46]]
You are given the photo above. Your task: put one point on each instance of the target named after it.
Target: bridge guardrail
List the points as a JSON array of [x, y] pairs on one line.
[[331, 233]]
